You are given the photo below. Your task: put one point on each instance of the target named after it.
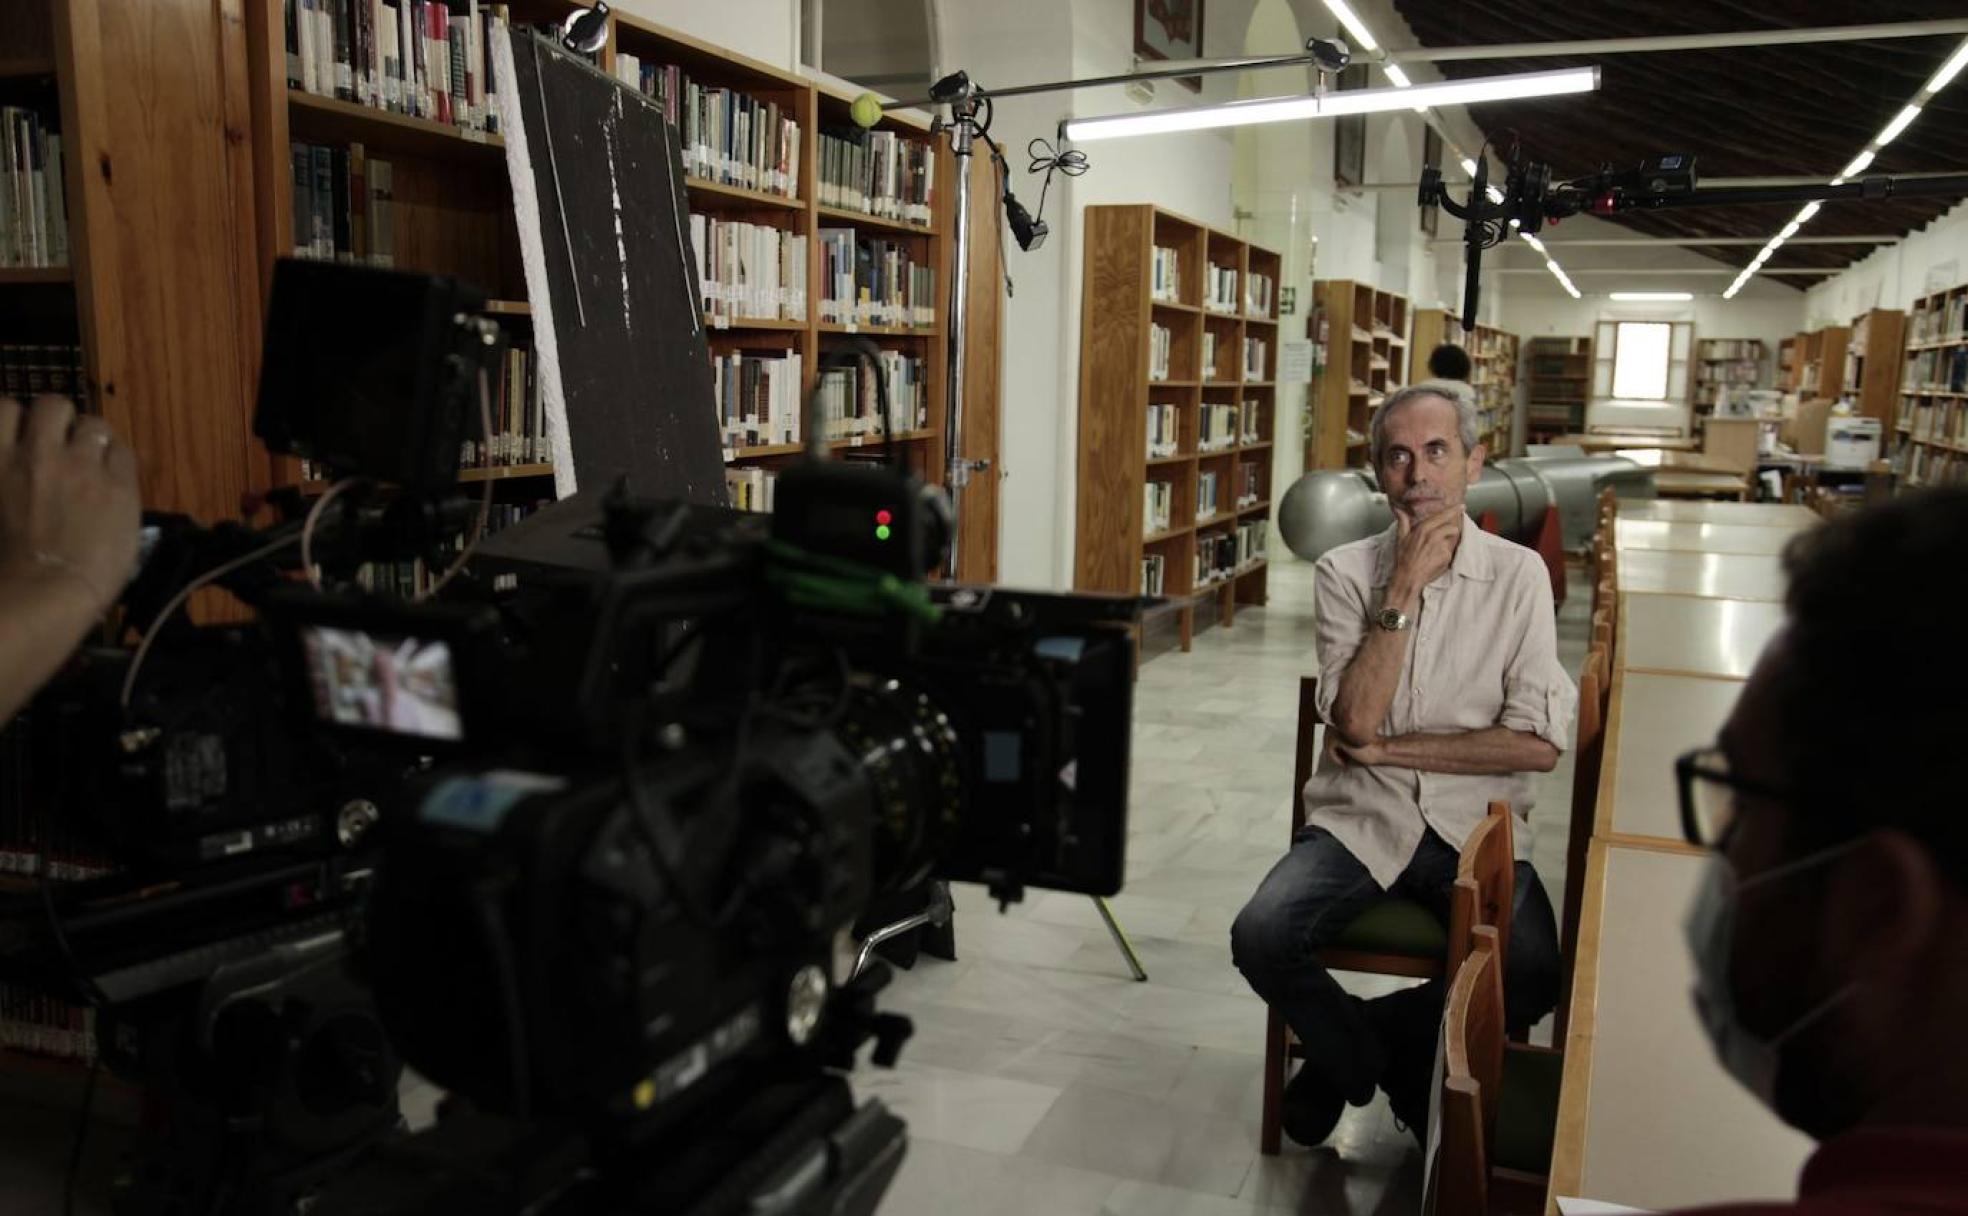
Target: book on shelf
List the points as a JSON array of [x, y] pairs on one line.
[[1942, 371], [1206, 491], [881, 173], [414, 577], [1943, 322], [749, 271], [33, 203], [1165, 274], [1250, 483], [1216, 557], [1260, 290], [1256, 358], [344, 205], [519, 422], [1219, 426], [849, 408], [1250, 541], [425, 58], [1154, 573], [751, 488], [758, 397], [874, 281], [1158, 351], [31, 368], [1163, 439], [1209, 355], [1220, 288], [1253, 429], [727, 136], [1731, 349], [1159, 507]]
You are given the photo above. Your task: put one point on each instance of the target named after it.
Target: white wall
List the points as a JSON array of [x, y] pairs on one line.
[[1929, 260], [766, 30]]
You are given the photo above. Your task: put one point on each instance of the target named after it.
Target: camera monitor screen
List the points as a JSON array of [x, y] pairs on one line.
[[398, 685]]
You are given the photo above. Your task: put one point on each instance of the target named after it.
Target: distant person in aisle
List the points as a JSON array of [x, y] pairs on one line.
[[1831, 939], [68, 536], [1440, 681], [1449, 366]]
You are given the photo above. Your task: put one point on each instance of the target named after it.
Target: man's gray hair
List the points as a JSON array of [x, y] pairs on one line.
[[1451, 391]]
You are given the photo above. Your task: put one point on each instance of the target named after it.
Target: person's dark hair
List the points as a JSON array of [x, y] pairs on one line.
[[1875, 696], [1449, 362]]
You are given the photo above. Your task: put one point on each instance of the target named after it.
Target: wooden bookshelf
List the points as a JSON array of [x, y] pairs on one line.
[[1790, 363], [1492, 373], [1558, 380], [1366, 358], [1116, 466], [1821, 363], [1929, 437], [1729, 366], [1874, 359], [462, 224]]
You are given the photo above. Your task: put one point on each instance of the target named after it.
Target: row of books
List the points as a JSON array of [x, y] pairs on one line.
[[1159, 344], [1158, 507], [344, 205], [1220, 289], [1216, 557], [1944, 323], [1731, 349], [1154, 573], [1943, 421], [33, 193], [750, 489], [1252, 420], [1209, 358], [38, 835], [874, 281], [1165, 274], [28, 368], [426, 58], [519, 419], [749, 270], [1251, 537], [1931, 466], [1250, 483], [878, 172], [758, 397], [1257, 359], [414, 577], [1944, 371], [849, 408], [1208, 483], [1164, 439], [1259, 291], [1221, 422], [727, 137], [34, 1022]]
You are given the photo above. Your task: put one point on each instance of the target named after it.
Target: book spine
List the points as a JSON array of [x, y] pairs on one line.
[[291, 28], [324, 201], [340, 32], [302, 169], [358, 189]]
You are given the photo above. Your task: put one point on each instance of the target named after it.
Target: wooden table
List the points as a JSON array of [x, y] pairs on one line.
[[1676, 460], [1654, 718], [1646, 1115], [1766, 540], [1685, 511], [1613, 442], [1670, 483], [1735, 576], [1687, 635]]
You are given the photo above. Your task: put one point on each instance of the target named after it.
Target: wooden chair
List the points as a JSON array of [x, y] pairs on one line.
[[1588, 753], [1497, 1101], [1393, 936]]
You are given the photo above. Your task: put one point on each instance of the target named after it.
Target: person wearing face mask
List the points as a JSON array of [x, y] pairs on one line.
[[1440, 681], [1831, 936]]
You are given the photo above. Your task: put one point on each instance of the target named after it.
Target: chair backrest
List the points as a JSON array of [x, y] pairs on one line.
[[1471, 1078], [1305, 760], [1588, 756], [1485, 887]]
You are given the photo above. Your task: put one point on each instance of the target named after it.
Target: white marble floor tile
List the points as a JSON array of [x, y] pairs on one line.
[[940, 1179], [995, 1114], [1116, 1133]]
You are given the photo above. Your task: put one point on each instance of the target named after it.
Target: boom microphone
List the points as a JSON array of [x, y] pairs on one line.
[[1474, 234]]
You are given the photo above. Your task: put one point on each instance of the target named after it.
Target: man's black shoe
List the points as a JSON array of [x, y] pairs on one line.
[[1311, 1107]]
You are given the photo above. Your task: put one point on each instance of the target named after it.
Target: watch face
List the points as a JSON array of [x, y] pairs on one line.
[[1391, 619]]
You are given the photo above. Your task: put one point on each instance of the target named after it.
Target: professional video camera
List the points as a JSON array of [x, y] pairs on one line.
[[1530, 197], [636, 778]]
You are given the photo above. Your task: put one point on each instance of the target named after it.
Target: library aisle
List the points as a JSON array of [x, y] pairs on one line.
[[1100, 1094]]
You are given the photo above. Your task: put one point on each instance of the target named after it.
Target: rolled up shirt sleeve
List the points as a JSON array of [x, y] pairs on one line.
[[1341, 610], [1539, 698]]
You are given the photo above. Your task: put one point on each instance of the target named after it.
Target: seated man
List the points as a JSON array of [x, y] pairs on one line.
[[1831, 944], [1439, 677]]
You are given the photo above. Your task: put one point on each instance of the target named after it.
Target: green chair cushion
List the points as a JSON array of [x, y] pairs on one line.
[[1396, 926], [1527, 1110]]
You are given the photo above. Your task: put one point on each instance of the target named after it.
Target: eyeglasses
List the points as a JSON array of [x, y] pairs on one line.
[[1708, 795]]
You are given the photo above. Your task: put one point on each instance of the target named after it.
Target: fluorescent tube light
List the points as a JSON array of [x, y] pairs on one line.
[[1810, 209], [1469, 166], [1496, 195], [1531, 240], [1653, 297], [1857, 166], [1950, 69], [1352, 101], [1899, 124], [1790, 230], [1395, 74], [1354, 26]]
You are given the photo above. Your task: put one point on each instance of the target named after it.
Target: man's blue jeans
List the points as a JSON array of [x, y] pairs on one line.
[[1312, 894]]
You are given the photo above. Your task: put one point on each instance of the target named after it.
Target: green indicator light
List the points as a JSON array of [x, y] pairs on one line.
[[881, 532]]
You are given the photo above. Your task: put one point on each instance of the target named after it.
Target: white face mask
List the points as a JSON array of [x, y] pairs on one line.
[[1711, 927]]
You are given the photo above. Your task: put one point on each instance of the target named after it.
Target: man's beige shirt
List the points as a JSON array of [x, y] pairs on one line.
[[1482, 652]]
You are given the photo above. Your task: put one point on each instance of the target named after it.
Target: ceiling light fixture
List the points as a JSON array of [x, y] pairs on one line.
[[1395, 74], [1469, 166], [1511, 87], [1858, 165], [1653, 297], [1949, 70], [1899, 124]]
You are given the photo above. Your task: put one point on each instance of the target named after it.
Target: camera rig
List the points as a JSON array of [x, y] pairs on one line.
[[1532, 197]]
